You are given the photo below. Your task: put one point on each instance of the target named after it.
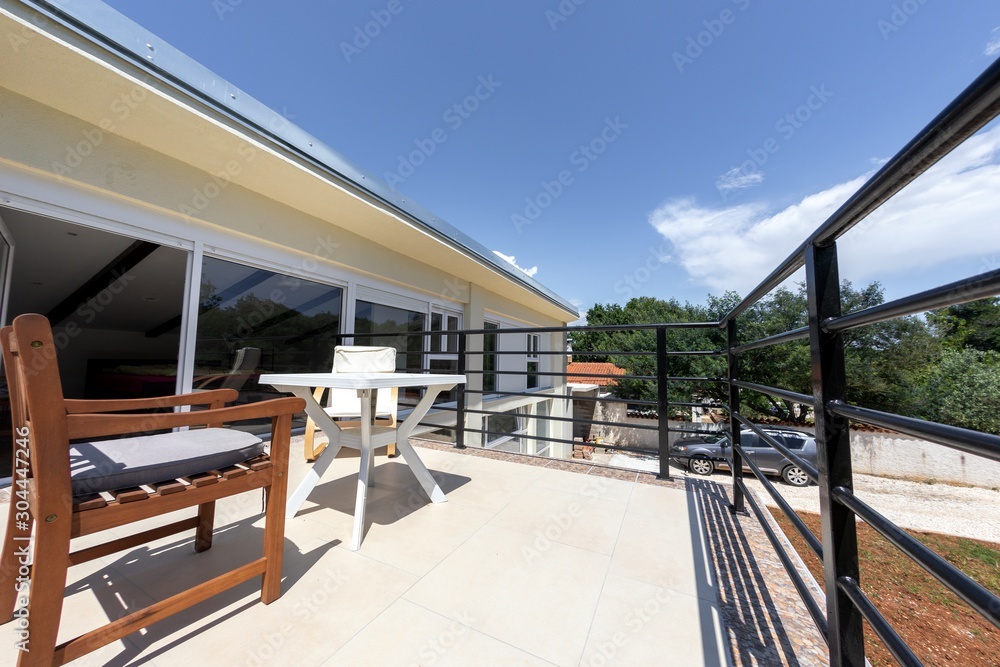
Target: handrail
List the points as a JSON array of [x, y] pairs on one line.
[[976, 287], [975, 107]]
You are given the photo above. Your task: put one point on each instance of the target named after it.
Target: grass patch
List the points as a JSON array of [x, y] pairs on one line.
[[938, 626]]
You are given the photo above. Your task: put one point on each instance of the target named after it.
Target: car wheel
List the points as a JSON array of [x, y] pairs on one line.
[[795, 476], [701, 466]]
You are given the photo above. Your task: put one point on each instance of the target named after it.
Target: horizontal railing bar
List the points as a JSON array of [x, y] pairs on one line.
[[672, 378], [786, 452], [542, 438], [893, 642], [818, 617], [603, 376], [574, 420], [694, 353], [792, 515], [774, 391], [962, 439], [568, 353], [971, 110], [596, 327], [587, 353], [975, 595], [574, 397], [794, 334], [595, 375], [977, 287], [699, 431], [699, 405]]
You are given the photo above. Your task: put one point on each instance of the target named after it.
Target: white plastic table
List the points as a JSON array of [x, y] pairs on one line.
[[302, 385]]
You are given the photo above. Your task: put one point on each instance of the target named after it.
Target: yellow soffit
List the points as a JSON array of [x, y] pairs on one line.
[[59, 69]]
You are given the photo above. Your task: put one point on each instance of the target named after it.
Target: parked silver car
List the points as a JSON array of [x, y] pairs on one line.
[[703, 454]]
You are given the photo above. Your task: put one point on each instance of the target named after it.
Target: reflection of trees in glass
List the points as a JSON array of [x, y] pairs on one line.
[[291, 340], [376, 318]]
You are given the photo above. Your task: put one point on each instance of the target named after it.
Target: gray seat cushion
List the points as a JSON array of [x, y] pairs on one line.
[[119, 464]]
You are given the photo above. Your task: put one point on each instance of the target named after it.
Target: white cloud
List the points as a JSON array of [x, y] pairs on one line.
[[993, 46], [736, 179], [948, 214], [510, 259]]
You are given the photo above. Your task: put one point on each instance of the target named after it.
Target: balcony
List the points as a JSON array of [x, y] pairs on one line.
[[542, 560], [531, 561]]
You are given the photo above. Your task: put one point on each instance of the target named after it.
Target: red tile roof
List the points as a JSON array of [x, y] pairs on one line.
[[593, 368]]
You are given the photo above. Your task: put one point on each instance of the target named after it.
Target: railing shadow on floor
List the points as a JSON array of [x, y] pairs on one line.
[[756, 633]]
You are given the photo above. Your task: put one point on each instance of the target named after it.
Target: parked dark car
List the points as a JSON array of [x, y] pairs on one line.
[[704, 453]]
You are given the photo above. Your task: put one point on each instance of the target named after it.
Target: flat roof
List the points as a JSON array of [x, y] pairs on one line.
[[110, 30]]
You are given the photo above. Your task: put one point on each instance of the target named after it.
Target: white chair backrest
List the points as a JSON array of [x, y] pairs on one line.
[[364, 359], [361, 359]]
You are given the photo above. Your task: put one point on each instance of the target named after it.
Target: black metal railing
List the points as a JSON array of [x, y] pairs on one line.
[[846, 603], [508, 390], [487, 395]]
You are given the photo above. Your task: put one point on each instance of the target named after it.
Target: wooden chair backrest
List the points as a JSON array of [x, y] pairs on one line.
[[37, 404]]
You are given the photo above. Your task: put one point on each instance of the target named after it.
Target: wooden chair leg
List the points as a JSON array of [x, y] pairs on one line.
[[206, 526], [274, 513], [18, 534], [391, 452], [309, 441], [48, 583]]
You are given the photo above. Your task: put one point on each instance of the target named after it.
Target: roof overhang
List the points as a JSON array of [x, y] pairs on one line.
[[78, 56]]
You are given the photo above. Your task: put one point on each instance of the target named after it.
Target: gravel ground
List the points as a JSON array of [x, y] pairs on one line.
[[937, 508]]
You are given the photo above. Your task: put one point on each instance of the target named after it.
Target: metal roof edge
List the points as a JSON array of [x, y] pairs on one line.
[[107, 28]]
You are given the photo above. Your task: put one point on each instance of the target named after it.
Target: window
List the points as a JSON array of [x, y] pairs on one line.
[[254, 321], [500, 431], [490, 358], [375, 318], [532, 367], [443, 348], [444, 342]]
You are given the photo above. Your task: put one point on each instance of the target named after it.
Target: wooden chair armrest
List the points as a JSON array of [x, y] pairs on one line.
[[93, 425], [219, 396]]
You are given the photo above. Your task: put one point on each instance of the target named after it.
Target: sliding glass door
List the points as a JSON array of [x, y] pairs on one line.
[[254, 321]]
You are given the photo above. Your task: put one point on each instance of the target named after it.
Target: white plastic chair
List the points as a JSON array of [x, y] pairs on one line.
[[344, 405]]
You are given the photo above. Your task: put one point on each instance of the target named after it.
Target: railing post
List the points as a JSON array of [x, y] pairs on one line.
[[460, 394], [833, 443], [739, 503], [662, 402]]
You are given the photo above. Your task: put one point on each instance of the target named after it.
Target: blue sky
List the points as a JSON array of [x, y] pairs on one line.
[[619, 149]]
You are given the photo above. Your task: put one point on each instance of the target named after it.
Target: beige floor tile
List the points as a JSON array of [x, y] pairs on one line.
[[420, 539], [329, 595], [407, 634], [574, 519], [641, 624], [511, 586], [591, 486], [661, 551], [656, 501]]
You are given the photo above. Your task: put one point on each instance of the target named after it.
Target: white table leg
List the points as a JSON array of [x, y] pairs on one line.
[[427, 481], [315, 473], [365, 471]]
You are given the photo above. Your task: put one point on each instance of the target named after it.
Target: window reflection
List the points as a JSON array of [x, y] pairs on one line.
[[254, 321]]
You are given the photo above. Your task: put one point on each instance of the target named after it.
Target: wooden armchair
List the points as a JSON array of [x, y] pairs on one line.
[[66, 486]]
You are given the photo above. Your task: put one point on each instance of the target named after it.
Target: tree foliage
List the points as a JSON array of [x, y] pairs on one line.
[[943, 367]]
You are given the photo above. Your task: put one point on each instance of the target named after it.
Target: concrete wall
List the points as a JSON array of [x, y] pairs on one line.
[[881, 454], [890, 455]]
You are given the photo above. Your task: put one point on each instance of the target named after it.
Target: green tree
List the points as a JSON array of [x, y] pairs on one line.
[[963, 389], [885, 362], [975, 324]]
